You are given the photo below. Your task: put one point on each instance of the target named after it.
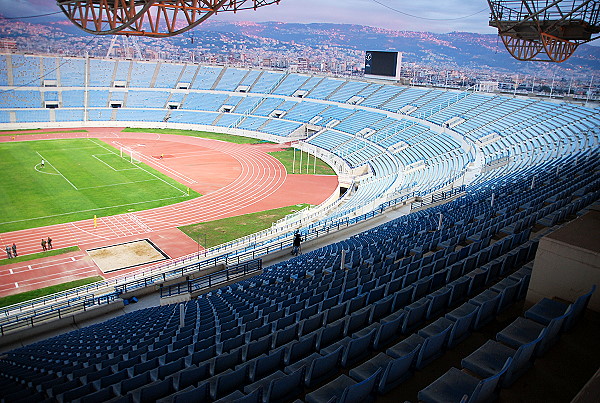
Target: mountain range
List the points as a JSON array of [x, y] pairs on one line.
[[459, 50], [462, 49]]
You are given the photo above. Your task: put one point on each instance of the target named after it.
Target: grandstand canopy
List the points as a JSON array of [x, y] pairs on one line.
[[540, 30], [155, 18]]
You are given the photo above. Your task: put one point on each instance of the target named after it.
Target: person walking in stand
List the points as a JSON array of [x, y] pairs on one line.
[[296, 244], [44, 244], [49, 243], [8, 252], [14, 250]]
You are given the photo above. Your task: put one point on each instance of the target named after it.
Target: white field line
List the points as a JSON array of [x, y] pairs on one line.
[[110, 166], [53, 167], [44, 267], [44, 172], [118, 184], [46, 264], [149, 173], [55, 276], [96, 209]]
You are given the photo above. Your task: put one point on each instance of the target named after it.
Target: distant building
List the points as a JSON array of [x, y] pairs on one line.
[[7, 45], [488, 86], [302, 63]]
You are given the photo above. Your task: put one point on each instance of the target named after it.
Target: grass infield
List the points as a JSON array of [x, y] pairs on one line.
[[286, 157], [33, 256], [42, 292], [80, 178], [206, 135], [227, 229], [32, 131]]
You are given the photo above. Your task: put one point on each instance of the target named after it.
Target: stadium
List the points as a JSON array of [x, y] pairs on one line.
[[458, 232]]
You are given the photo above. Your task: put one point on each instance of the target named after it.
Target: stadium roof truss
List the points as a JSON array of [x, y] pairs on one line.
[[154, 18], [545, 30]]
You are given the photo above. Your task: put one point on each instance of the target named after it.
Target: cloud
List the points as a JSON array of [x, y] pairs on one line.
[[411, 15], [26, 8]]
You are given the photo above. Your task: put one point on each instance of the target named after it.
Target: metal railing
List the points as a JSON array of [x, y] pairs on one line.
[[438, 197], [79, 292], [53, 313], [210, 280]]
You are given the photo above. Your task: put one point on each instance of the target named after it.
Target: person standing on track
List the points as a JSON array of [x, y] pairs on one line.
[[14, 250], [49, 243], [44, 244], [8, 252]]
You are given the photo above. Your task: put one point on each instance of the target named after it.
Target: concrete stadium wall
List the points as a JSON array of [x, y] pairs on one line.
[[567, 262]]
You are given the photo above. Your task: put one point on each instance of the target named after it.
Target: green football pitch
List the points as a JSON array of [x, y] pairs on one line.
[[80, 178]]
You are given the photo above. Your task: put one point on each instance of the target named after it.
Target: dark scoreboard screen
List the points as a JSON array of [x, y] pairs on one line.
[[379, 63]]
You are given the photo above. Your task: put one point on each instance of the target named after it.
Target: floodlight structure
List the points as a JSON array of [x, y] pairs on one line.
[[154, 18], [545, 30]]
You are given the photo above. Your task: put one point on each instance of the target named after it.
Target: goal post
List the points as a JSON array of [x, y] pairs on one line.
[[130, 155], [134, 157]]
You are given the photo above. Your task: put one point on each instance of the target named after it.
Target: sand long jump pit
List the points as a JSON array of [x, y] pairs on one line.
[[126, 255]]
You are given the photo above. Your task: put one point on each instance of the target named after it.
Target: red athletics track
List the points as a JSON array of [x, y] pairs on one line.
[[234, 179]]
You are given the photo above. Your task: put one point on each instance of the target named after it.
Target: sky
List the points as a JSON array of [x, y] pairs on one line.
[[403, 15]]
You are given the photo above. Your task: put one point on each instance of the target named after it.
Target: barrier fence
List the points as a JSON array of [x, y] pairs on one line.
[[213, 279], [56, 312]]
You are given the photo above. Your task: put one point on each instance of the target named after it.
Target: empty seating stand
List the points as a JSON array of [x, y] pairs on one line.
[[308, 328]]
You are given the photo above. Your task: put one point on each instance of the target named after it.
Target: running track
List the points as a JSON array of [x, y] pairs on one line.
[[233, 179]]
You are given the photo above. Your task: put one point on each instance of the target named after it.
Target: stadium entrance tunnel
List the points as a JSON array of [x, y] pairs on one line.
[[343, 191]]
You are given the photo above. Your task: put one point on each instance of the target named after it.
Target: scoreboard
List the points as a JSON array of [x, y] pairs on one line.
[[384, 65]]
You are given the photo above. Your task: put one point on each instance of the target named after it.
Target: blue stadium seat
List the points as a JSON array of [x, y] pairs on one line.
[[522, 331], [488, 302], [458, 386], [345, 389], [490, 358], [200, 394], [395, 370], [228, 382], [415, 314], [388, 331], [547, 309], [323, 368], [464, 318], [100, 396], [156, 390], [266, 365], [285, 388]]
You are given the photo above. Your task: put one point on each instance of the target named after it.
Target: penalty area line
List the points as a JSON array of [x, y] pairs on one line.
[[59, 173], [183, 192], [117, 184], [96, 156]]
